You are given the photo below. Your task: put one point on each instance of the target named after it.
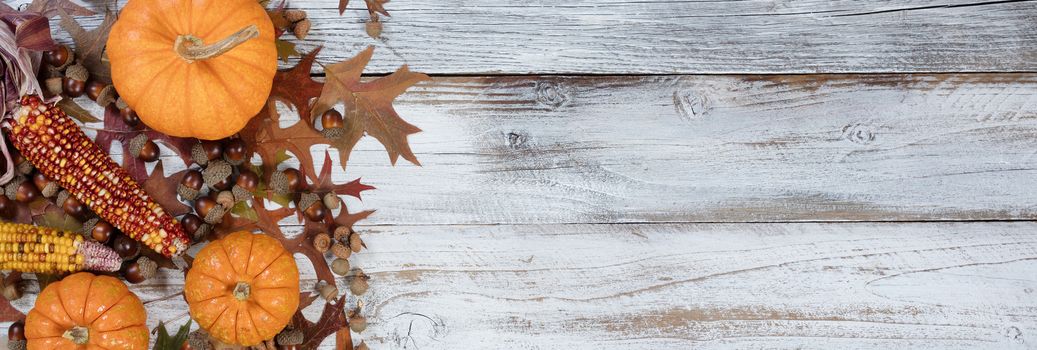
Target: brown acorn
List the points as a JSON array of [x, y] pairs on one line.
[[16, 331], [140, 270], [74, 208], [126, 247], [129, 116], [8, 208], [191, 223], [332, 124], [59, 58], [312, 207], [74, 84], [102, 231], [47, 188], [190, 185], [321, 242], [93, 89], [143, 148], [218, 175], [26, 192], [209, 209], [289, 338], [235, 151]]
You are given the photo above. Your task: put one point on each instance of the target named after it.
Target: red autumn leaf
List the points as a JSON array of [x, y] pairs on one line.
[[369, 107], [332, 319], [163, 190], [116, 129], [266, 138], [295, 86], [322, 183], [373, 6]]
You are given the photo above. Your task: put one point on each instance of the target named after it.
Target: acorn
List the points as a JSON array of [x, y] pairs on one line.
[[226, 199], [53, 86], [106, 97], [373, 28], [289, 338], [301, 29], [312, 207], [206, 151], [234, 151], [357, 322], [143, 148], [329, 292], [129, 116], [331, 200], [74, 84], [358, 282], [321, 242], [11, 187], [294, 15], [199, 340], [218, 175], [48, 188], [59, 58], [23, 166], [332, 123], [8, 208], [340, 266], [209, 210], [26, 192], [190, 185], [93, 89], [74, 208], [246, 183], [342, 233], [16, 331], [355, 243], [295, 180], [191, 223], [126, 247], [140, 270], [341, 251], [102, 231]]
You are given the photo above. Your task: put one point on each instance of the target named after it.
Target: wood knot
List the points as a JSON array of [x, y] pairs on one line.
[[691, 105], [515, 140], [411, 330], [1014, 333], [859, 133], [552, 94]]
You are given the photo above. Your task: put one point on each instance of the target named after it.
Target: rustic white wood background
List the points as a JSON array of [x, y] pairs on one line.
[[618, 174]]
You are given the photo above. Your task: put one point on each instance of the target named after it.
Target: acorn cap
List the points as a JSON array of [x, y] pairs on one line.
[[106, 96], [341, 251], [215, 215], [25, 168], [307, 199], [16, 345], [355, 243], [137, 144], [50, 190], [226, 199], [120, 103], [216, 172], [187, 193], [11, 188], [321, 242], [54, 85], [333, 133], [342, 233], [77, 72], [294, 15], [340, 266], [331, 200], [198, 154], [203, 230], [301, 29], [240, 193], [358, 282], [148, 267], [279, 182], [290, 337], [199, 340], [358, 323], [329, 292], [88, 226]]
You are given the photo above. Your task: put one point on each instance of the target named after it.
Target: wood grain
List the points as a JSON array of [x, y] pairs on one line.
[[670, 286], [682, 37], [527, 150]]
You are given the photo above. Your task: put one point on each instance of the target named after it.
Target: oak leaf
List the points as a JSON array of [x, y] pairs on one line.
[[163, 190], [89, 44], [368, 106], [52, 8], [116, 129], [373, 6]]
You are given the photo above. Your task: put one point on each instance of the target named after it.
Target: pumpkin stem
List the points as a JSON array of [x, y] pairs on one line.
[[79, 335], [242, 290], [191, 48]]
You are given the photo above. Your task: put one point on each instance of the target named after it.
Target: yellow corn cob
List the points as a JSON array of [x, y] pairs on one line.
[[29, 248], [52, 142]]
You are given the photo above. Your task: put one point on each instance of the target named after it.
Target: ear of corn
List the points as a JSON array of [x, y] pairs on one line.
[[51, 141], [29, 248]]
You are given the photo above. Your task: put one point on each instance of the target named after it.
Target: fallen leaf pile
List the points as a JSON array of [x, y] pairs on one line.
[[365, 106]]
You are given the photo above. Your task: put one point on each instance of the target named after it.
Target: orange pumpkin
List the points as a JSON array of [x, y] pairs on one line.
[[243, 289], [193, 68], [84, 311]]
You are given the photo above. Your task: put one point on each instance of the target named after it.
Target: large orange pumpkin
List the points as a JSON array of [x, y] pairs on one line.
[[193, 68], [84, 311], [243, 288]]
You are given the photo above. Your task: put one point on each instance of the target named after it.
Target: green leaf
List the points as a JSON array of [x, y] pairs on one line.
[[286, 50], [281, 156], [165, 342], [242, 209]]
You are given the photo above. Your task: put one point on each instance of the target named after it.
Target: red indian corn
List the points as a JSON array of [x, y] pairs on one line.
[[29, 248], [52, 142]]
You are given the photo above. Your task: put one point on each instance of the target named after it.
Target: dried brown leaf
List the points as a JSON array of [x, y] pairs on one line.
[[373, 6], [89, 44], [332, 319], [53, 8], [163, 190], [369, 107]]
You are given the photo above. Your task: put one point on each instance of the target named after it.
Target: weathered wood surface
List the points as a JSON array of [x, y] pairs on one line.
[[681, 286], [682, 37], [522, 150]]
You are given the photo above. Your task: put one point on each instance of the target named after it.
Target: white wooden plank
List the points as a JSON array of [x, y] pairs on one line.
[[709, 286], [708, 149], [674, 37]]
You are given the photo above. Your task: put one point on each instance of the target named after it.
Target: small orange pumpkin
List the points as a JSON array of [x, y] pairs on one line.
[[243, 289], [193, 68], [84, 311]]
